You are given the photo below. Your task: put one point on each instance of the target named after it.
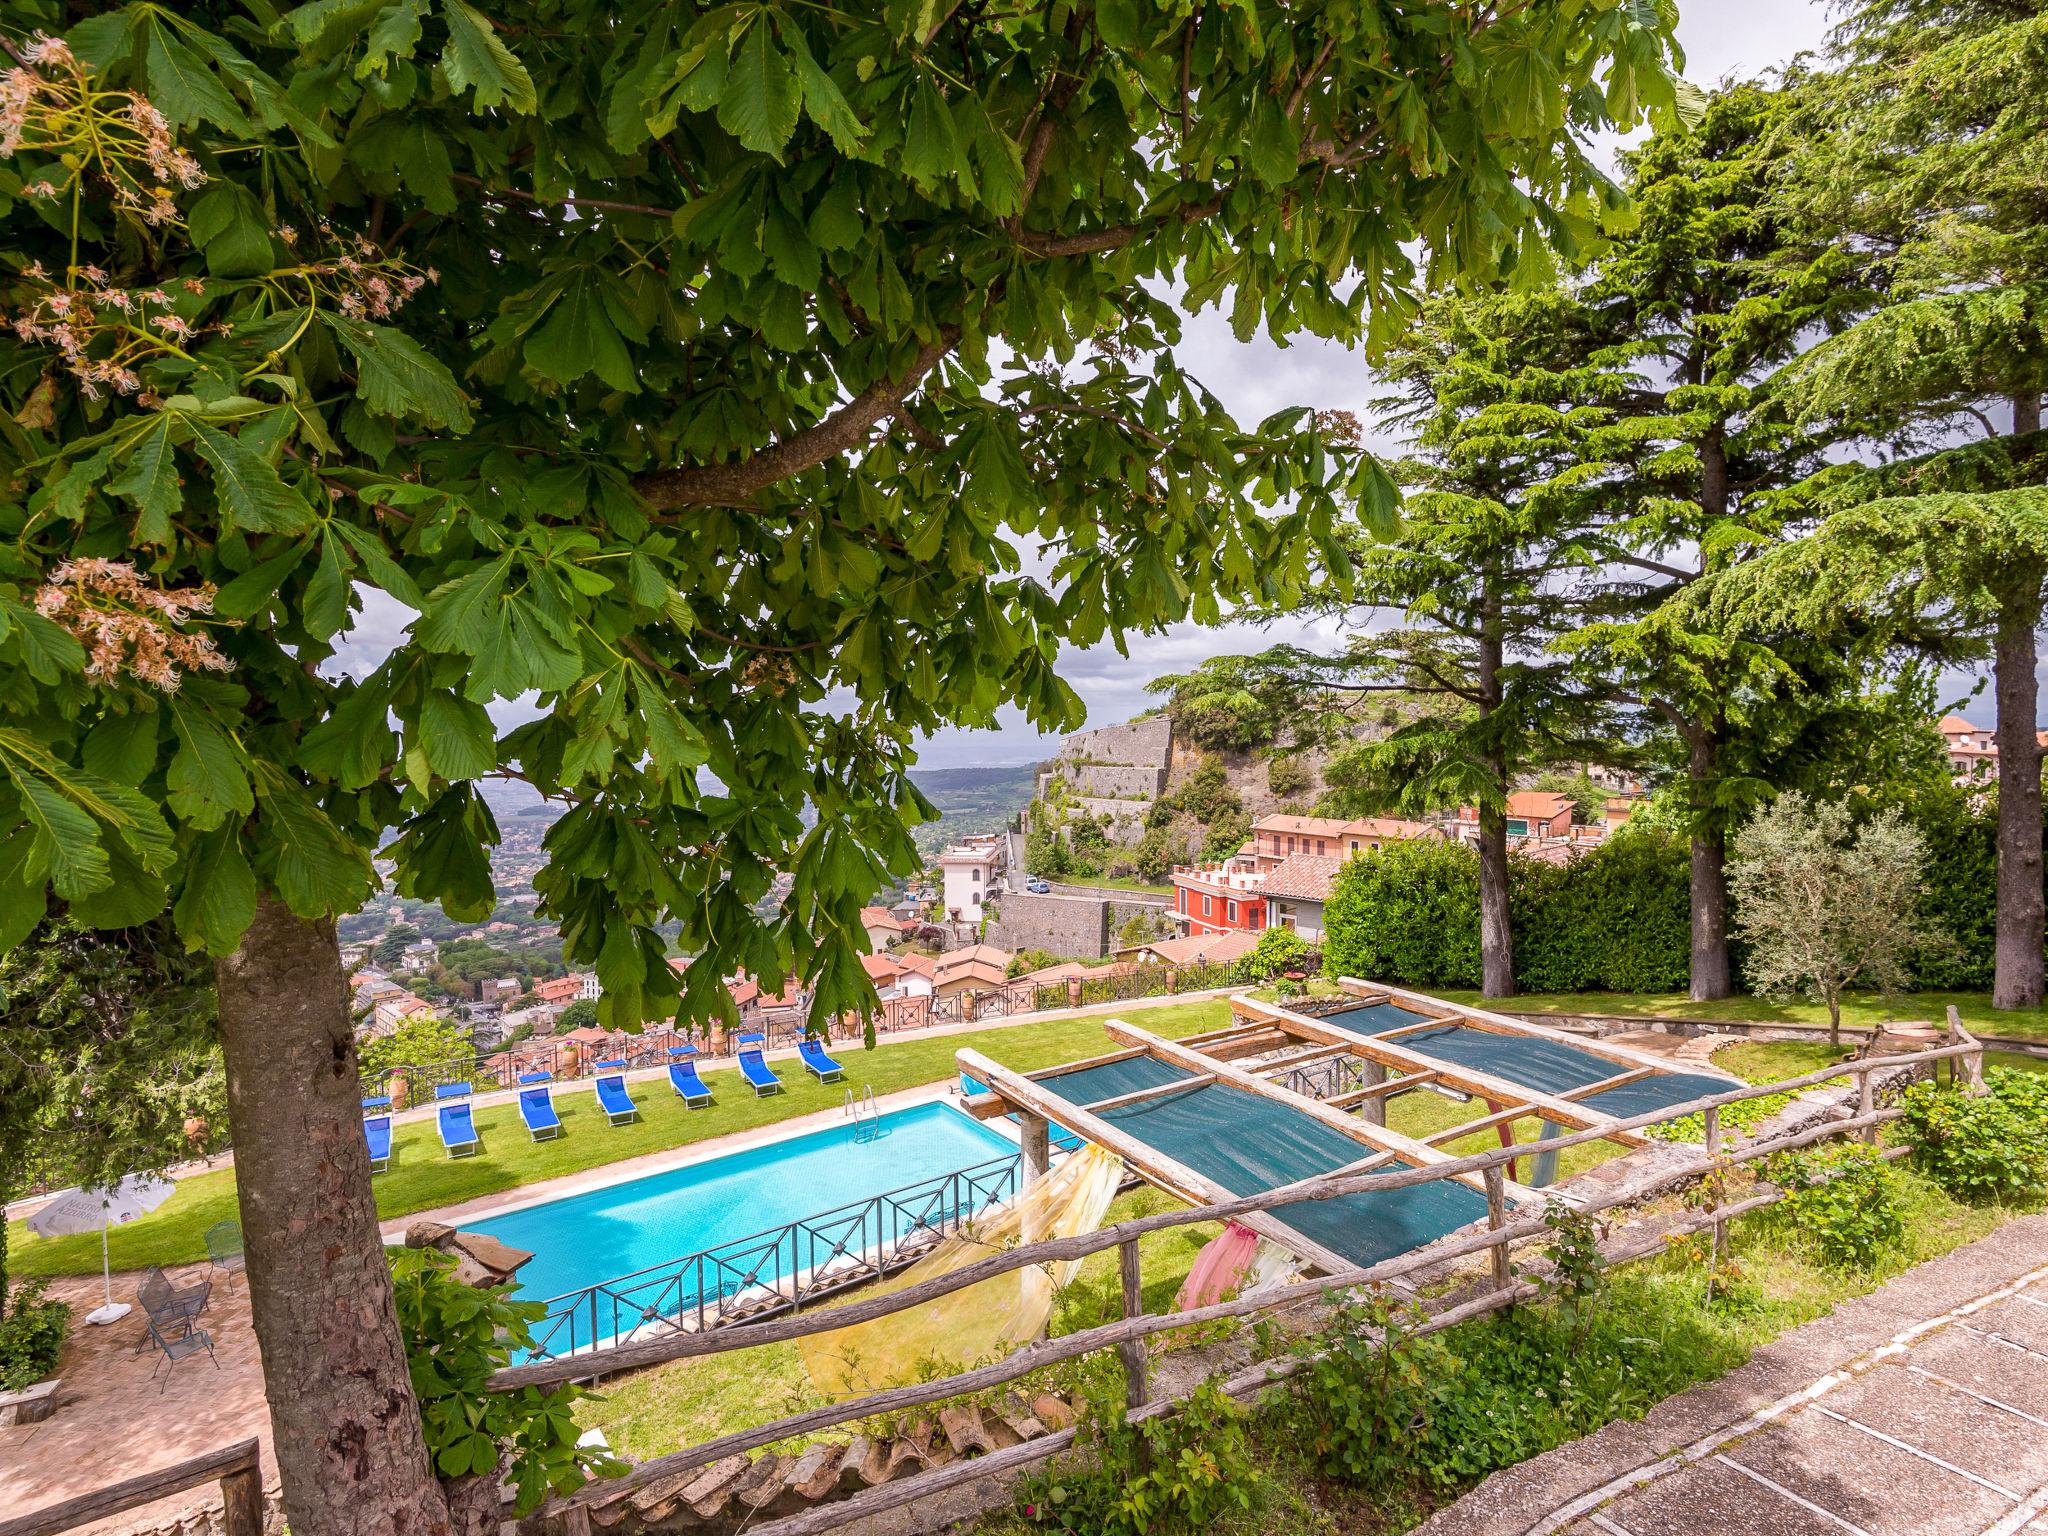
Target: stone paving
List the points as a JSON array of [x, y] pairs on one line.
[[1920, 1410], [114, 1422]]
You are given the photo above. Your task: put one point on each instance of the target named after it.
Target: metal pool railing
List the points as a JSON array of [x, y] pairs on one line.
[[770, 1271]]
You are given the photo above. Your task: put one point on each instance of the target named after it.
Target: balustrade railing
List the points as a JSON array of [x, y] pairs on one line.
[[773, 1270], [411, 1084]]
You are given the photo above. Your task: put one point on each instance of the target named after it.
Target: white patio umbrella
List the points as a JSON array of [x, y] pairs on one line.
[[95, 1210]]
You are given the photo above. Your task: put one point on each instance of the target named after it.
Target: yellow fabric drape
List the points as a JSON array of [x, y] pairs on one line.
[[985, 1321]]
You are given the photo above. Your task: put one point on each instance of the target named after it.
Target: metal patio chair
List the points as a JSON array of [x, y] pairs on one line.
[[166, 1303], [176, 1339], [224, 1248]]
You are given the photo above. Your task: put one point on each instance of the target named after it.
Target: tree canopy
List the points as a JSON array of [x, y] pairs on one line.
[[692, 375], [647, 357]]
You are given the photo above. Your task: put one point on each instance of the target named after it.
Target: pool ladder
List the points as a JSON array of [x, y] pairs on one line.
[[867, 1119]]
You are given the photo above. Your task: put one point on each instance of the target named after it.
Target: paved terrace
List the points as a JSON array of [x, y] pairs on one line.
[[1918, 1410]]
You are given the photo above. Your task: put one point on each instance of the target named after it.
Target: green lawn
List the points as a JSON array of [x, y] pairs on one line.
[[422, 1177], [1927, 1007], [649, 1413]]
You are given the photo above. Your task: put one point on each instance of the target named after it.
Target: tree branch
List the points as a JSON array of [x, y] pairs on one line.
[[734, 482]]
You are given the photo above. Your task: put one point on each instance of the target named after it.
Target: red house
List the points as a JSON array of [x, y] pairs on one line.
[[1219, 898]]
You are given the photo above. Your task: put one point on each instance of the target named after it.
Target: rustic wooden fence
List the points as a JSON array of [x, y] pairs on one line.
[[234, 1467], [1128, 1334]]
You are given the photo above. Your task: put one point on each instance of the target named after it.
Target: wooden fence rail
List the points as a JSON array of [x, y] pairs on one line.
[[234, 1467], [632, 1356], [1127, 1334]]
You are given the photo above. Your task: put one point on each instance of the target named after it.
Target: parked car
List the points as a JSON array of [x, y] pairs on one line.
[[1037, 887]]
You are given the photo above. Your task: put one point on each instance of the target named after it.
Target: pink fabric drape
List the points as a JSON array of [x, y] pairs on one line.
[[1220, 1268]]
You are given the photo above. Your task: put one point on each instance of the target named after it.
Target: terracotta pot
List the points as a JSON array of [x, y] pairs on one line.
[[394, 1087], [195, 1130], [571, 1058]]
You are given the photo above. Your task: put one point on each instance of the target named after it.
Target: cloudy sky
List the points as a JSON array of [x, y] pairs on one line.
[[1722, 39]]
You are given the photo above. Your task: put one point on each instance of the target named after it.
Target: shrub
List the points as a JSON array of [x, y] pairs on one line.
[[1615, 920], [1993, 1147], [1408, 912], [1843, 1200], [32, 1337], [1289, 776], [1358, 1408], [455, 1337], [1180, 1473], [1278, 949]]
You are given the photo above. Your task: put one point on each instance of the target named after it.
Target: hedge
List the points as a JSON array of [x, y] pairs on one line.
[[1614, 920], [1618, 918]]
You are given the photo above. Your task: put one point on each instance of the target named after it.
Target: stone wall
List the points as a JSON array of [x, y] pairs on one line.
[[1126, 817], [1110, 781], [1074, 927], [1144, 743]]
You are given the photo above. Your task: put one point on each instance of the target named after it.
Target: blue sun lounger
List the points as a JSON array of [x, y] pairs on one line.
[[813, 1053], [682, 1076], [537, 1105], [754, 1068], [612, 1097], [458, 1129], [377, 1133]]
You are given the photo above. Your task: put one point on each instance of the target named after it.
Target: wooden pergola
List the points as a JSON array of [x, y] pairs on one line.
[[1288, 1040]]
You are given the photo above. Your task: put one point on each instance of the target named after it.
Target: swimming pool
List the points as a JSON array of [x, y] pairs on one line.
[[765, 1215]]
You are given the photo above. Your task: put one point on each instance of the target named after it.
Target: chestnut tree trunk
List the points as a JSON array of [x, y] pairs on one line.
[[344, 1421]]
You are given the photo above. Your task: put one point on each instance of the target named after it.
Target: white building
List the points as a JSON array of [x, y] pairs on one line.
[[969, 869]]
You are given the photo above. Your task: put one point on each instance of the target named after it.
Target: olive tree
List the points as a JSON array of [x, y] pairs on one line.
[[1823, 905]]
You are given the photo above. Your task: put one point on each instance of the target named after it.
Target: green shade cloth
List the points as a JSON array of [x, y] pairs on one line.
[[1372, 1019], [1112, 1080], [1659, 1092], [1249, 1144]]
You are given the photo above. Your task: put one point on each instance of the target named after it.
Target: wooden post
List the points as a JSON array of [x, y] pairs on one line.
[[1374, 1110], [1496, 1216], [1036, 1134], [241, 1493], [1866, 1103], [1137, 1387], [1711, 1115]]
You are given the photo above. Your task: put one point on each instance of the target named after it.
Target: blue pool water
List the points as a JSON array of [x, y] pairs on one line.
[[591, 1238]]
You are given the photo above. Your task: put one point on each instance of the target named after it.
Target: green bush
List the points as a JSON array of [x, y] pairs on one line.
[[1843, 1200], [1617, 919], [1961, 886], [32, 1337], [1357, 1409], [1289, 776], [1409, 913], [1181, 1473], [1278, 949], [1993, 1147], [455, 1337]]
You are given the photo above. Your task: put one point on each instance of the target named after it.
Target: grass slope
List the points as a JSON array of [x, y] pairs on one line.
[[422, 1177]]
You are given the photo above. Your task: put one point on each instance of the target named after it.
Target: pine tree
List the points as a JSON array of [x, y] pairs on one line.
[[1920, 160], [1498, 540], [1697, 309]]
